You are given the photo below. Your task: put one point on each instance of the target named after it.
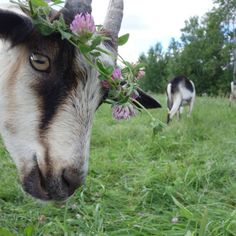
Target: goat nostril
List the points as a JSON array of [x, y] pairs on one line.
[[65, 180], [34, 184], [72, 179]]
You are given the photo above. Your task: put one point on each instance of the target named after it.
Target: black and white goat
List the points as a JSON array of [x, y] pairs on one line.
[[232, 92], [48, 96], [180, 91]]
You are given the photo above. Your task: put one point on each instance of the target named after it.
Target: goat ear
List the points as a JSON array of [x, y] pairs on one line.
[[146, 100], [14, 27]]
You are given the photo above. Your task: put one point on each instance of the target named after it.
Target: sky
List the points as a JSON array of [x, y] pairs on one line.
[[151, 21]]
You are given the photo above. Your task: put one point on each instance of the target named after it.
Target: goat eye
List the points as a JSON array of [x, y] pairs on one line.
[[40, 62]]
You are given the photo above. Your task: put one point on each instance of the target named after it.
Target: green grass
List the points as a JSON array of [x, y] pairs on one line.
[[137, 184]]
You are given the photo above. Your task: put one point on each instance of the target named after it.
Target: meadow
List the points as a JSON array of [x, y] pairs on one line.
[[182, 182]]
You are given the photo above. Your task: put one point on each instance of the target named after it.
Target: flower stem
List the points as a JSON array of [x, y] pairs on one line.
[[146, 110]]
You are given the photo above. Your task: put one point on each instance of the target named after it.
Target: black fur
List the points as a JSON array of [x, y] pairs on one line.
[[58, 86], [14, 27], [72, 8], [55, 86], [177, 80], [147, 101]]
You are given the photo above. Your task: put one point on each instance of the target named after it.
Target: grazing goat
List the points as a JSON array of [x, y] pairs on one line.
[[48, 96], [180, 91], [233, 92]]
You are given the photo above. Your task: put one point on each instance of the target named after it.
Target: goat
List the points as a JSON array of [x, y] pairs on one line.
[[48, 96], [180, 91], [233, 92]]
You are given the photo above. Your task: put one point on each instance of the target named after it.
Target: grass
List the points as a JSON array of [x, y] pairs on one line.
[[140, 185]]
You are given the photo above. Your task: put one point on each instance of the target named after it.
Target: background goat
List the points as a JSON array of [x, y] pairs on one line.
[[48, 97], [180, 91], [233, 92]]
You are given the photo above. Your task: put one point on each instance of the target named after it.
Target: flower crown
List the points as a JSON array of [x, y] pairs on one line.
[[121, 84]]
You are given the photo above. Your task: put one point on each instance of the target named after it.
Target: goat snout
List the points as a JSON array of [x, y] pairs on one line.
[[73, 179], [52, 187]]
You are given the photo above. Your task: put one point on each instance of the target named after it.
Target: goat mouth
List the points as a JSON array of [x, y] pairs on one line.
[[33, 183], [49, 187]]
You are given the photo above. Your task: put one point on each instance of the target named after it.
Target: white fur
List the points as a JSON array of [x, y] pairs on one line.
[[182, 97], [68, 135], [18, 108]]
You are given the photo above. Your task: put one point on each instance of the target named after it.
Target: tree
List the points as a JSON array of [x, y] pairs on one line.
[[206, 53], [228, 11], [174, 66], [155, 69]]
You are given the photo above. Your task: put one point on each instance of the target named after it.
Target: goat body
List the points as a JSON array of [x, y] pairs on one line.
[[180, 91]]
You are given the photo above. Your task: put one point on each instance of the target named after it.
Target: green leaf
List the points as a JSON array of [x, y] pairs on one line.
[[189, 233], [203, 225], [95, 54], [184, 211], [65, 35], [97, 41], [85, 37], [39, 3], [44, 29], [56, 2], [5, 232], [123, 39], [102, 68], [110, 70], [140, 66], [128, 64], [102, 77], [29, 230], [84, 48], [125, 70], [104, 51], [156, 128]]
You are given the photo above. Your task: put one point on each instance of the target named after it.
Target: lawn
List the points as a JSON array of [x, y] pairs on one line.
[[182, 182]]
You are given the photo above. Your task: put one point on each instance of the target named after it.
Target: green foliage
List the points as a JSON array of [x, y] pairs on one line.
[[123, 39], [155, 70], [204, 54], [138, 184]]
